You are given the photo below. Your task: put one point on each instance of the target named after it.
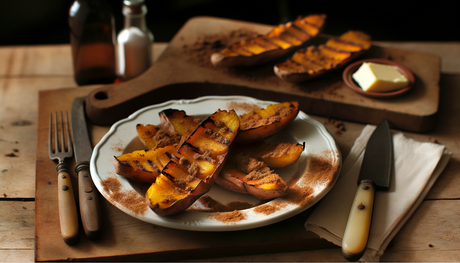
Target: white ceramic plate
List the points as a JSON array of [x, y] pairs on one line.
[[310, 178]]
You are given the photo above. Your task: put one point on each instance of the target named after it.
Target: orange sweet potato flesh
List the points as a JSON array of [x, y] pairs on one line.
[[177, 121], [193, 169], [146, 134], [281, 40], [249, 168], [143, 165], [160, 141], [314, 61], [260, 124]]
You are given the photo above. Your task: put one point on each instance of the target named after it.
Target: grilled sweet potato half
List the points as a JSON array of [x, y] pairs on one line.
[[251, 176], [193, 169], [260, 124], [313, 61], [279, 41], [274, 155], [144, 165], [249, 168]]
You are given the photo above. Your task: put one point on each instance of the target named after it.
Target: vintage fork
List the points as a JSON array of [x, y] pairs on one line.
[[62, 150]]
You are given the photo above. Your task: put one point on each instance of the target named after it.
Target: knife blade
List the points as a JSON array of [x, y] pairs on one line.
[[374, 174], [90, 212]]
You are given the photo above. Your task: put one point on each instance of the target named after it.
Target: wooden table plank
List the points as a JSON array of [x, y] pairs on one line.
[[24, 72], [49, 60]]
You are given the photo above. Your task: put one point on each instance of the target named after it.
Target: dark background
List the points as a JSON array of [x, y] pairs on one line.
[[37, 22]]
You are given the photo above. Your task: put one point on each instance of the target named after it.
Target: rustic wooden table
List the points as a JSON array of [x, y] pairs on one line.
[[432, 233]]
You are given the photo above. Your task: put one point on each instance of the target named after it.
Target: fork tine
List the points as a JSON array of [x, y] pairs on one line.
[[56, 138], [69, 143], [50, 139], [62, 134]]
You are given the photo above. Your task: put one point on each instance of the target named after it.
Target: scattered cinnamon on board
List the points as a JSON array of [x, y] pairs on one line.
[[131, 200], [200, 51], [338, 124]]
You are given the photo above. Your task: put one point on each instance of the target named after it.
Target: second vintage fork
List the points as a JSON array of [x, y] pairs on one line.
[[63, 149]]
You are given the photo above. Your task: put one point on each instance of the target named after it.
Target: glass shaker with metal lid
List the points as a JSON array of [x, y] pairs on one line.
[[134, 47]]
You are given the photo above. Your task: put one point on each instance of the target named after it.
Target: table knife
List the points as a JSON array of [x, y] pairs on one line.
[[374, 174], [90, 212]]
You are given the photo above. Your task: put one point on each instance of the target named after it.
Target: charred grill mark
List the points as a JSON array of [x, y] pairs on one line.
[[154, 167], [124, 163], [189, 145], [166, 173]]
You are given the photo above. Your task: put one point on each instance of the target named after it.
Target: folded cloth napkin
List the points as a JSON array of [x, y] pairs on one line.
[[417, 165]]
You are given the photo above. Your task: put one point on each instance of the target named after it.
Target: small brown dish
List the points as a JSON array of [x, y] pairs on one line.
[[352, 68]]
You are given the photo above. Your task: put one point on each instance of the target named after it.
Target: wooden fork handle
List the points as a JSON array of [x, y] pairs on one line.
[[67, 207], [90, 211]]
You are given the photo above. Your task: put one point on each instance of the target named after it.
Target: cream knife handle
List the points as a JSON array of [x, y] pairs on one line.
[[359, 221], [67, 206], [90, 211]]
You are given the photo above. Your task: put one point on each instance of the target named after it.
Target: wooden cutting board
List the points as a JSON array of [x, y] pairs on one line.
[[185, 71], [129, 239]]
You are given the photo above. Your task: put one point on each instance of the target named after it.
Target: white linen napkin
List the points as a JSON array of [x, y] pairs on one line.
[[417, 166]]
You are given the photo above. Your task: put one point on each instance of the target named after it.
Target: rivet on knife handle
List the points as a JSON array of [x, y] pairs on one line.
[[89, 202], [67, 206], [359, 221]]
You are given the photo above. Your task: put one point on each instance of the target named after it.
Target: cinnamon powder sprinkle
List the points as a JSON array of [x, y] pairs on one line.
[[229, 217], [129, 199], [243, 106], [321, 172], [268, 208], [253, 120]]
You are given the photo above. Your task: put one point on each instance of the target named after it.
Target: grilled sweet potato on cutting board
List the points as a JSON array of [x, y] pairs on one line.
[[276, 43], [193, 169], [313, 61]]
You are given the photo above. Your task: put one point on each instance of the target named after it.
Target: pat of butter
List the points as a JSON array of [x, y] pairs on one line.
[[374, 77]]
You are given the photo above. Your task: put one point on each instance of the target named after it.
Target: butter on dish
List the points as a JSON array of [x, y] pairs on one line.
[[375, 77]]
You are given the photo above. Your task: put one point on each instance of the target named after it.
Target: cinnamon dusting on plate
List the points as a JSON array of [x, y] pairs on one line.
[[131, 200], [228, 217], [267, 209], [321, 169]]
